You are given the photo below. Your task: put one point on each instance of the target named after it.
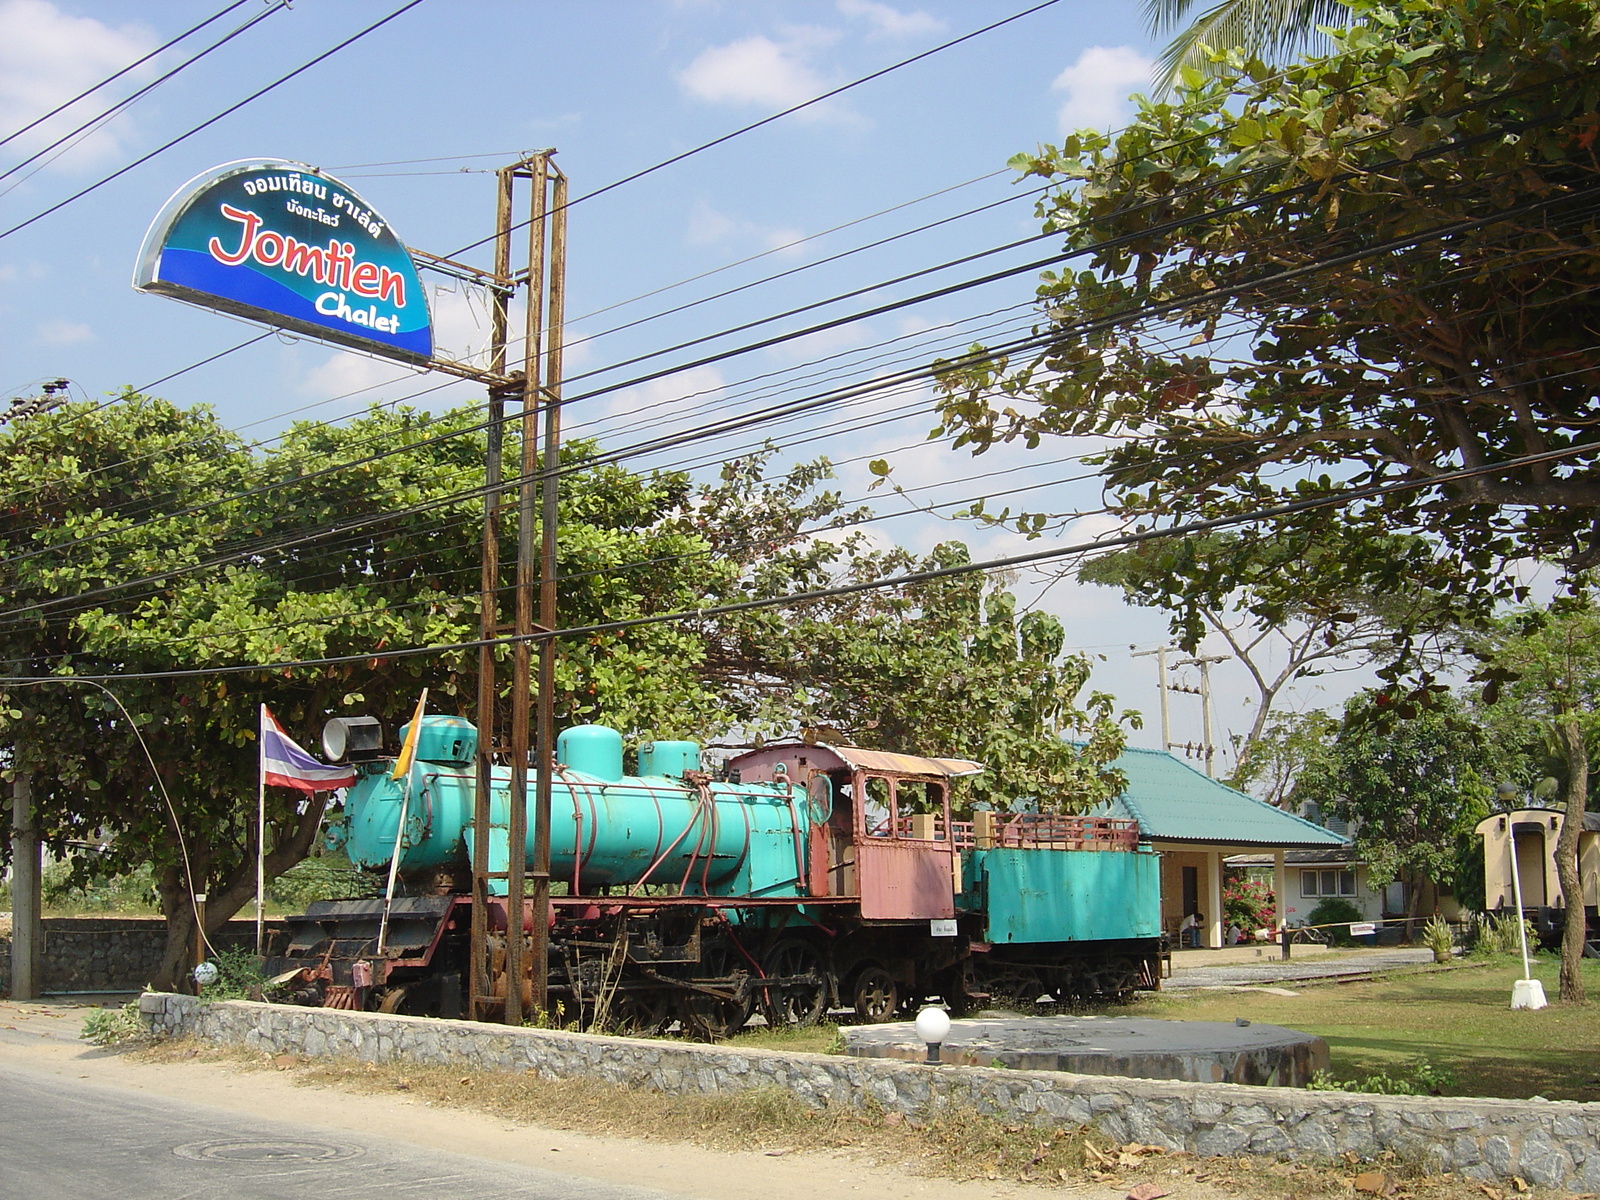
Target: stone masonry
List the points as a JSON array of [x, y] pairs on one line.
[[109, 954], [1556, 1144]]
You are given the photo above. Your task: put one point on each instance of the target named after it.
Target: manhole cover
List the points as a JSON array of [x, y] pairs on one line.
[[268, 1152]]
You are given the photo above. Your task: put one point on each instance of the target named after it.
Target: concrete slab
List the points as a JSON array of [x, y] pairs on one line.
[[1139, 1047]]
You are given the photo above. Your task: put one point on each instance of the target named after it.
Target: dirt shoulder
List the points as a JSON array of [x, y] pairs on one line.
[[409, 1106]]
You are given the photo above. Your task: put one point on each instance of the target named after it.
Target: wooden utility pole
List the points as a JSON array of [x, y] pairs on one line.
[[530, 741]]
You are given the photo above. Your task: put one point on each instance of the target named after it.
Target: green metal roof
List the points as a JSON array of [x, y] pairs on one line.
[[1174, 802]]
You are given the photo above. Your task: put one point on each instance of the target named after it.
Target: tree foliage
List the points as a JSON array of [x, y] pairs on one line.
[[1261, 596], [1412, 786], [1376, 267], [1543, 668], [1272, 29]]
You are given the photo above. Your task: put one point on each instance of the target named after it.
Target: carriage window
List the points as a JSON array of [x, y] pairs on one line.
[[878, 810]]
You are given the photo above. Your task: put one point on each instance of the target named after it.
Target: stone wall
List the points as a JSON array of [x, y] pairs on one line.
[[1552, 1143], [108, 954]]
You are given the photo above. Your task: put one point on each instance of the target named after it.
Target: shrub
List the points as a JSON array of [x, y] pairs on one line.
[[1338, 913], [113, 1026], [1438, 937], [239, 975], [1494, 935], [326, 877], [1416, 1078], [1249, 904]]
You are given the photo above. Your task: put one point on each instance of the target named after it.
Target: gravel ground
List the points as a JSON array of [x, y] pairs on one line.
[[1238, 974]]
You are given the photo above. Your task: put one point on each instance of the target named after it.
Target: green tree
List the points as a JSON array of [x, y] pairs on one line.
[[1412, 783], [1373, 268], [1288, 746], [1544, 667], [289, 556]]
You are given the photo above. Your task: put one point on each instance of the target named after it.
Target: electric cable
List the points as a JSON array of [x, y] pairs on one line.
[[811, 403], [1445, 147], [778, 116], [109, 79], [1005, 562], [209, 121], [67, 140]]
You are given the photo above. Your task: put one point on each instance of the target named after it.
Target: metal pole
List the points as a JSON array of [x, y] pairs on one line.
[[1516, 891], [199, 953], [27, 934], [479, 983], [261, 832], [1205, 713], [527, 581], [550, 494]]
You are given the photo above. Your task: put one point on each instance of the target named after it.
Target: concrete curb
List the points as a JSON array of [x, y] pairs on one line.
[[1553, 1143]]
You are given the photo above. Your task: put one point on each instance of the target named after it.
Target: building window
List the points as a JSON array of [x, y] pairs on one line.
[[1327, 883]]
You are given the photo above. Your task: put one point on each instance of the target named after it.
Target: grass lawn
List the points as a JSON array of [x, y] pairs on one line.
[[1458, 1019]]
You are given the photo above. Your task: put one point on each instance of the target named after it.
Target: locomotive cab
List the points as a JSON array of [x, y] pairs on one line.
[[882, 831]]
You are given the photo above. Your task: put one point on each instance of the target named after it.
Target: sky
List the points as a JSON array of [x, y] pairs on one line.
[[417, 115]]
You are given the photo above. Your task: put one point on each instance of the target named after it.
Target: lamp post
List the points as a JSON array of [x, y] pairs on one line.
[[1527, 992]]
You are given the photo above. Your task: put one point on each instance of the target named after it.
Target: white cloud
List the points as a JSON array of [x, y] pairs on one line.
[[64, 333], [1098, 84], [48, 57], [891, 22], [662, 402], [825, 343], [761, 72], [711, 227]]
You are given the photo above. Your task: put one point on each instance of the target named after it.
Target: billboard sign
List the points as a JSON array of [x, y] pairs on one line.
[[283, 243]]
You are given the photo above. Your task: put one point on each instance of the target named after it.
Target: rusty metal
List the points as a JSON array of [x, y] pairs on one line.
[[534, 170], [479, 1000], [550, 490]]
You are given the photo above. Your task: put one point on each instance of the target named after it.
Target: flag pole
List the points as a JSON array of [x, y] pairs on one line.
[[261, 832], [402, 769]]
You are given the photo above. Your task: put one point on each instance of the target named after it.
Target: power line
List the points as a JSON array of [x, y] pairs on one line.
[[128, 101], [809, 404], [778, 116], [109, 79], [1236, 206], [210, 121], [1120, 542]]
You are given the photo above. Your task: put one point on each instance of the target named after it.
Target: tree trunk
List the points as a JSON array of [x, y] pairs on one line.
[[225, 896], [1576, 753]]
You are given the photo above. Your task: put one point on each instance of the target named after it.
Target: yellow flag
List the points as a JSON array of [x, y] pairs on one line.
[[409, 750]]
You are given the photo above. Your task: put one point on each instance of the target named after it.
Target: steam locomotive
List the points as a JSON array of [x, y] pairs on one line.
[[794, 880]]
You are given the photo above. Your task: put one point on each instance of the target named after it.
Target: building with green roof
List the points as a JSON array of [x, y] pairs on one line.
[[1195, 822]]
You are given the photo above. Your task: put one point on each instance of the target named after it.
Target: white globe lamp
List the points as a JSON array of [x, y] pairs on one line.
[[933, 1026]]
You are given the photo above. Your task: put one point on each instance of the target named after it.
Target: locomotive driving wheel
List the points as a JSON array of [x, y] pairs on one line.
[[876, 996], [644, 1012], [708, 1016], [1014, 987], [804, 999]]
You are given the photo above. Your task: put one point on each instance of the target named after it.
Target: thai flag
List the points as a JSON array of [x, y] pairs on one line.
[[285, 764]]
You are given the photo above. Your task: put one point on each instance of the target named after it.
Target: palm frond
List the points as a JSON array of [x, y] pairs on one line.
[[1275, 30]]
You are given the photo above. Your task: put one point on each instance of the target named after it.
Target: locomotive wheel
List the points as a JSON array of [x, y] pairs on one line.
[[392, 1000], [796, 1003], [1017, 988], [644, 1012], [710, 1018], [1120, 980], [876, 996]]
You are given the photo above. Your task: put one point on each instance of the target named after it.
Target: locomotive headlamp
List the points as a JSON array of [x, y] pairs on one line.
[[352, 739], [933, 1026]]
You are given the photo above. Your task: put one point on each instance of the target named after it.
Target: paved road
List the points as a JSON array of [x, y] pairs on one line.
[[65, 1139], [1275, 970]]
